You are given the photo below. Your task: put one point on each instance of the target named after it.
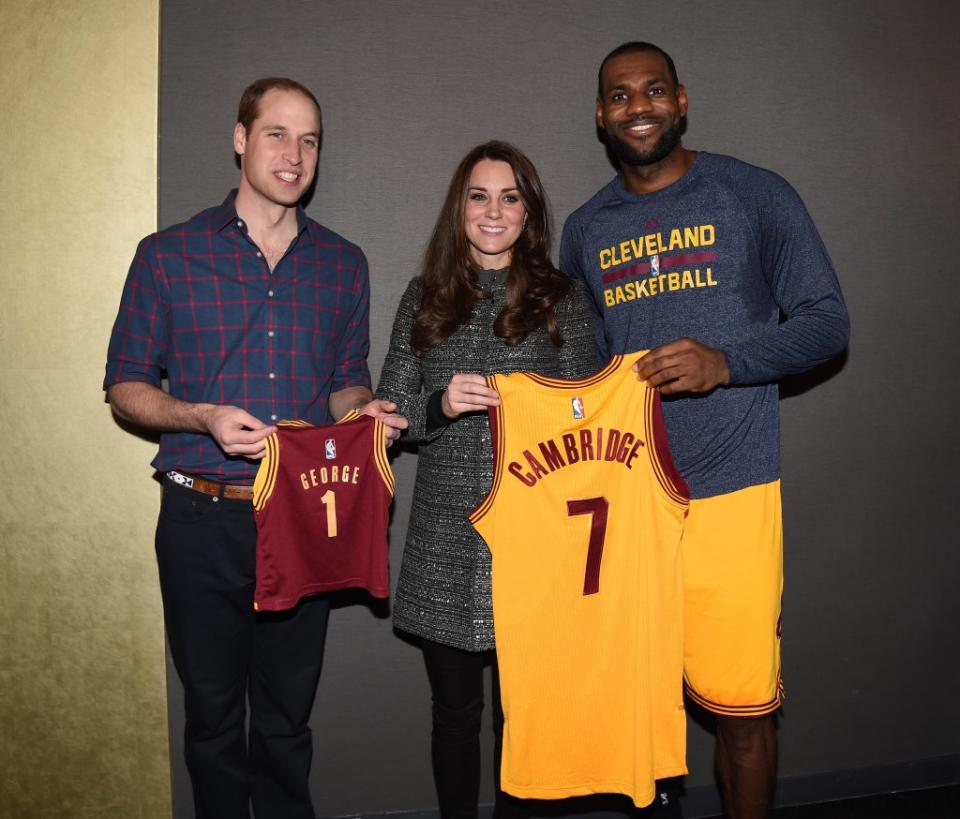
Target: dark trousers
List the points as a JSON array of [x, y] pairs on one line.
[[225, 653], [456, 683]]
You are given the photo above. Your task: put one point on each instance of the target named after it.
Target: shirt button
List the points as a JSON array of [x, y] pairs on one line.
[[239, 223], [269, 333], [273, 417], [216, 499], [269, 292], [259, 255], [272, 375]]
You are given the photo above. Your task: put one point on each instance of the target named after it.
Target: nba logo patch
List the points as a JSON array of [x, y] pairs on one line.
[[655, 264], [330, 448], [577, 403]]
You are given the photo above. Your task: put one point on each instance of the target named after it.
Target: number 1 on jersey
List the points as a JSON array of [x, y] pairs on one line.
[[597, 509], [329, 500]]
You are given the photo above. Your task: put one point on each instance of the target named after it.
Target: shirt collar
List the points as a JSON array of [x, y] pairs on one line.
[[227, 213]]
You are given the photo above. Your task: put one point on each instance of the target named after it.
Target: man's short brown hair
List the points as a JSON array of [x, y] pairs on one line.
[[250, 101]]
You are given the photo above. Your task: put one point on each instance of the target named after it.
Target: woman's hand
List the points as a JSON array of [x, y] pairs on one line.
[[467, 392]]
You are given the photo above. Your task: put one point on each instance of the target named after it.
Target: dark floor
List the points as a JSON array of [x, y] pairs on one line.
[[937, 803]]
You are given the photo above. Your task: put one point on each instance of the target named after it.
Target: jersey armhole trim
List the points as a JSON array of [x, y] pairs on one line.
[[495, 417], [266, 478], [380, 455], [379, 448], [660, 458]]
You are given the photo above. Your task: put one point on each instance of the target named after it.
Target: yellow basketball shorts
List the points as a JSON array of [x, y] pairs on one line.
[[732, 552]]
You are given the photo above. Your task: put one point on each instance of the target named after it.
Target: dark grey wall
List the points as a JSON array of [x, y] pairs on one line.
[[856, 103]]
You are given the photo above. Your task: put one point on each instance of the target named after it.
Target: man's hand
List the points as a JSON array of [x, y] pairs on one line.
[[467, 392], [385, 411], [236, 431], [683, 365]]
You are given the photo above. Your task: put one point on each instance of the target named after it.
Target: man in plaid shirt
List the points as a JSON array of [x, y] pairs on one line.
[[254, 313]]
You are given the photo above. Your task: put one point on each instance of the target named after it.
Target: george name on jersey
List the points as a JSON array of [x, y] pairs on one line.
[[323, 475], [572, 447]]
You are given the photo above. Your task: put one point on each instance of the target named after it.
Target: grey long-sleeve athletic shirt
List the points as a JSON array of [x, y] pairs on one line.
[[729, 256]]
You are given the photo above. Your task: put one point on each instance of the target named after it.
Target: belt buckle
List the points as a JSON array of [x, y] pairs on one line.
[[182, 480]]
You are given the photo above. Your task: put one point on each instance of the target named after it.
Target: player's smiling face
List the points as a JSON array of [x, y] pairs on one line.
[[641, 109], [278, 158], [493, 214]]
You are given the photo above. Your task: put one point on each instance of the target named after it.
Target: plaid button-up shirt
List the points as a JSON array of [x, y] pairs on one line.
[[201, 308]]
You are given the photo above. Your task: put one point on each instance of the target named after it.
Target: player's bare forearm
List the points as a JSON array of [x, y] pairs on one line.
[[684, 365]]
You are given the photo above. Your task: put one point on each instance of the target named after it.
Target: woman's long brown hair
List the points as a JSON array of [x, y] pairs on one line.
[[449, 290]]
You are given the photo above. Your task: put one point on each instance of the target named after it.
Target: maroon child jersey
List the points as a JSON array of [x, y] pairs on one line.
[[321, 500]]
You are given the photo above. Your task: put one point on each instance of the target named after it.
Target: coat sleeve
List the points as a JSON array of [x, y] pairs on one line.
[[401, 379], [571, 264], [579, 356]]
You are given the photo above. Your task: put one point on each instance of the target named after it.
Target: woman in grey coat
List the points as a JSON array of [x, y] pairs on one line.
[[488, 300]]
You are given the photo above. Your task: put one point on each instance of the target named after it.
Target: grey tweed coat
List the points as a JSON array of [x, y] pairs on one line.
[[443, 593]]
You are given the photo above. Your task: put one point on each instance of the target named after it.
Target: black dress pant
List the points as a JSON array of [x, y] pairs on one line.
[[456, 683], [225, 653]]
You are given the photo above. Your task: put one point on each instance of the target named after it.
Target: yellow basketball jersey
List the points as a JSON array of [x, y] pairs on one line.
[[584, 520]]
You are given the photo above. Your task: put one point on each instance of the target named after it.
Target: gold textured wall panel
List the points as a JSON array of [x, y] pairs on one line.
[[83, 726]]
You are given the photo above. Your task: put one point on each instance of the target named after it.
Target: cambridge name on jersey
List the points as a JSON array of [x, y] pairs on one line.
[[584, 520], [321, 499]]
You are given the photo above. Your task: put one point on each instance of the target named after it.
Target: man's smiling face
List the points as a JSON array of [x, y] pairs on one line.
[[278, 156], [641, 109]]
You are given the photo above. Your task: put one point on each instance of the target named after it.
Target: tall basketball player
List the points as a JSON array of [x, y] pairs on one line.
[[716, 267]]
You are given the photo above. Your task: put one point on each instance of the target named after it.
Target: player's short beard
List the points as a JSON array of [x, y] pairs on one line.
[[670, 139]]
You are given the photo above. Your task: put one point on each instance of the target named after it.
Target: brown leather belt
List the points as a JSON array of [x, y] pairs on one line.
[[216, 490]]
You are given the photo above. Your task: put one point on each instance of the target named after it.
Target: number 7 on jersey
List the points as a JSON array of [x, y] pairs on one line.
[[597, 509]]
